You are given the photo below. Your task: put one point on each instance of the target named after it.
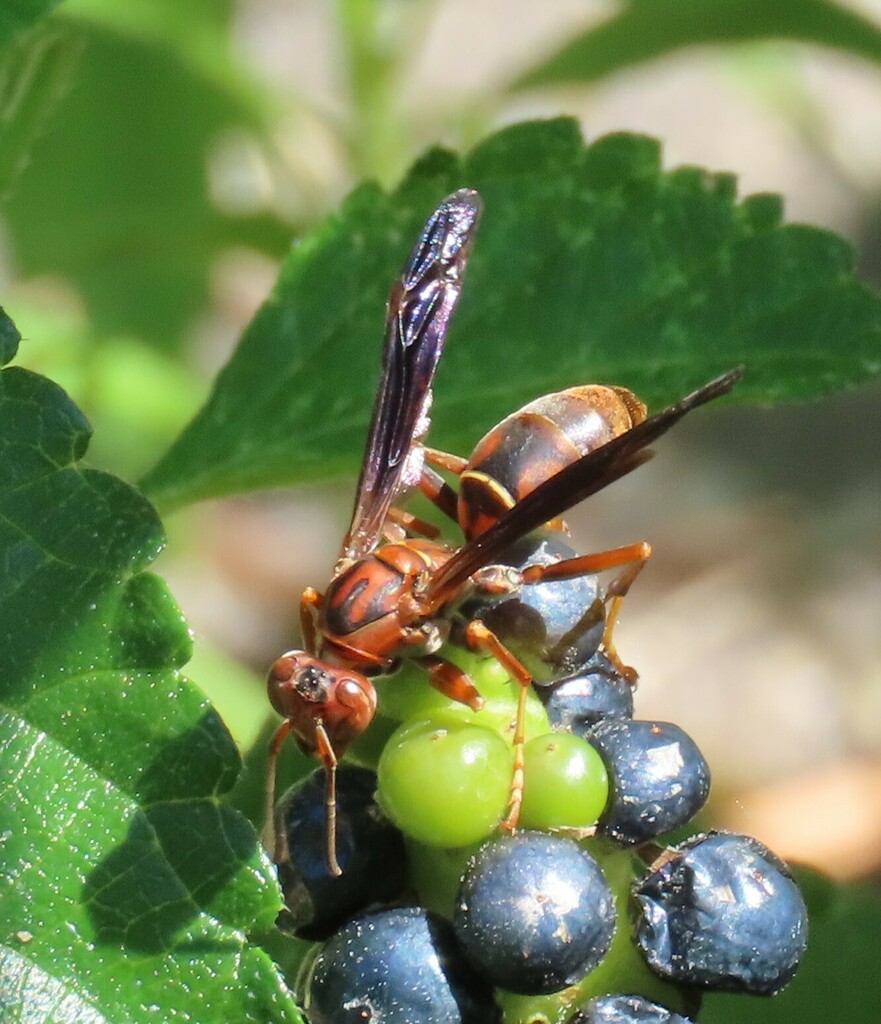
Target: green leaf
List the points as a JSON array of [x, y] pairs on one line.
[[115, 198], [591, 264], [34, 73], [196, 33], [836, 978], [647, 29], [18, 15], [9, 338], [128, 883]]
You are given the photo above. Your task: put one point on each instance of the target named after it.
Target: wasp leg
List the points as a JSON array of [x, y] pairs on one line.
[[591, 617], [406, 521], [481, 638], [445, 460], [271, 840], [632, 556], [310, 604], [439, 493], [450, 680]]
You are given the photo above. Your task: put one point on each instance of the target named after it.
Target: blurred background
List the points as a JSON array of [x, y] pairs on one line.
[[157, 160]]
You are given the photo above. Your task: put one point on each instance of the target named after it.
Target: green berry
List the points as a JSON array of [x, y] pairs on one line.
[[444, 780], [408, 694], [566, 784]]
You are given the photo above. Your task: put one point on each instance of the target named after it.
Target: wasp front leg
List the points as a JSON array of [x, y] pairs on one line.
[[310, 608], [271, 839]]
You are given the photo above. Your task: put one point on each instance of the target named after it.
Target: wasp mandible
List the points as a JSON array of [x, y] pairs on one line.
[[392, 594]]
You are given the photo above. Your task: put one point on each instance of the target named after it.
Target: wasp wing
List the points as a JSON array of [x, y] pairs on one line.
[[559, 493], [419, 311]]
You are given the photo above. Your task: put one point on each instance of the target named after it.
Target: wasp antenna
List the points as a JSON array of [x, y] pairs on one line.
[[330, 811], [329, 760]]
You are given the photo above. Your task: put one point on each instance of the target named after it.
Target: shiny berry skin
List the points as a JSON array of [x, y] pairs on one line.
[[369, 848], [626, 1010], [591, 693], [399, 966], [722, 913], [566, 784], [658, 778], [533, 622], [445, 780], [534, 913]]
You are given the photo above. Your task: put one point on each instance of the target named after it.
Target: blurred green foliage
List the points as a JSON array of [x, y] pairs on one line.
[[117, 121]]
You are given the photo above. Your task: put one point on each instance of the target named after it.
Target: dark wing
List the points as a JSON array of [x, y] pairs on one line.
[[554, 496], [419, 311]]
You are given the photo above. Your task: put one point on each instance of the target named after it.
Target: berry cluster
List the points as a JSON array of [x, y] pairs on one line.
[[437, 917]]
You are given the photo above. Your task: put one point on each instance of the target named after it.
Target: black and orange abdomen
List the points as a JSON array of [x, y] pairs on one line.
[[535, 443]]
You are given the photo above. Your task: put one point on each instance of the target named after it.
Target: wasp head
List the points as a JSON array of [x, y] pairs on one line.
[[307, 692]]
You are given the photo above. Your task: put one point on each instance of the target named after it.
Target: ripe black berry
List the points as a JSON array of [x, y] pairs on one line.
[[658, 778], [626, 1010], [551, 627], [369, 848], [723, 913], [534, 913], [593, 692], [399, 966]]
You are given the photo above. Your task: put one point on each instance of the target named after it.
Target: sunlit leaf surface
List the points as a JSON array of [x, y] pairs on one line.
[[591, 264], [128, 887]]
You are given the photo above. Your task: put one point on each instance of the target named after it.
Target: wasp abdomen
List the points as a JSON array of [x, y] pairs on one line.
[[535, 443]]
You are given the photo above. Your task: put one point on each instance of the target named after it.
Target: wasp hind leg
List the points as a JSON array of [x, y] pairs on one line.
[[632, 558], [481, 638], [432, 484], [445, 460]]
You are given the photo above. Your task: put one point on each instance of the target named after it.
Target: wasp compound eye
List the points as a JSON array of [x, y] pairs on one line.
[[313, 684]]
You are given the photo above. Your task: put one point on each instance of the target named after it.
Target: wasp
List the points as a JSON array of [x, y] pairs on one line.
[[396, 586]]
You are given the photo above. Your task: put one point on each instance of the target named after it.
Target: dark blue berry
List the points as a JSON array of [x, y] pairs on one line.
[[626, 1010], [591, 693], [534, 913], [552, 627], [724, 913], [658, 778], [399, 966], [369, 848]]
